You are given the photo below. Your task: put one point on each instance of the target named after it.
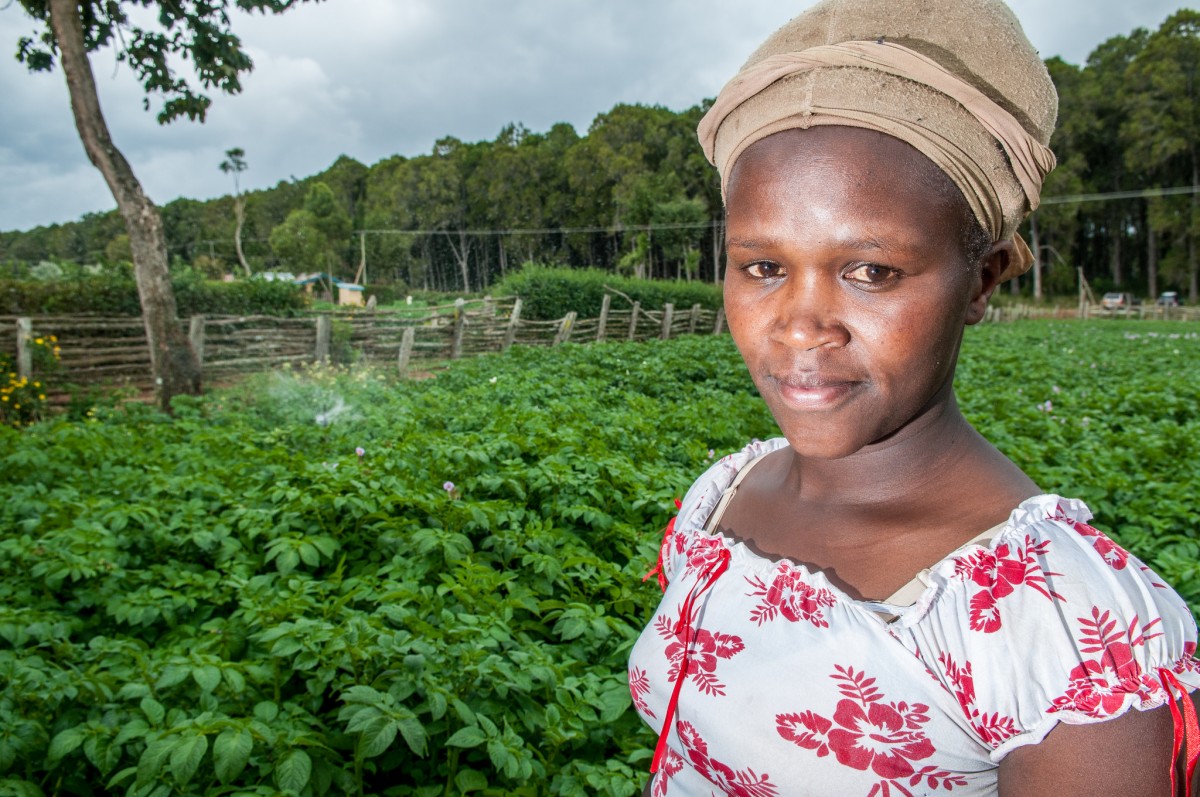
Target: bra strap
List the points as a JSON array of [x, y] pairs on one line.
[[727, 496]]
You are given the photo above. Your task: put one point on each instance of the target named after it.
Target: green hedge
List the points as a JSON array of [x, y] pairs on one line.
[[116, 294], [548, 292]]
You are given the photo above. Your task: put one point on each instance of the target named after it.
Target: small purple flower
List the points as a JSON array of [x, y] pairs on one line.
[[360, 451], [448, 487], [451, 490], [711, 453]]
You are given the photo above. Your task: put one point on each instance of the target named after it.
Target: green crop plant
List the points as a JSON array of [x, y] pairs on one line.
[[335, 582]]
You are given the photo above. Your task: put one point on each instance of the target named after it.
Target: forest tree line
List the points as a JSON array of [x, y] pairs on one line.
[[635, 195]]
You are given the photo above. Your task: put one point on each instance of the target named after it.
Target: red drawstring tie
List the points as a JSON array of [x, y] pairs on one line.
[[668, 533], [1187, 729], [684, 625]]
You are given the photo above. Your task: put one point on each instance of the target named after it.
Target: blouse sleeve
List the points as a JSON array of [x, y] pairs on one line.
[[1062, 625], [700, 501]]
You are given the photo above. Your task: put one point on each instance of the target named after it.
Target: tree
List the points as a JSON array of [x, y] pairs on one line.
[[235, 164], [1164, 119], [196, 30], [313, 236]]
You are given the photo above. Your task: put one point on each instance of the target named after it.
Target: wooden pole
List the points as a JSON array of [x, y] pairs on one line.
[[564, 328], [695, 319], [24, 351], [668, 315], [633, 319], [605, 303], [324, 334], [196, 338], [460, 322], [406, 348], [719, 326], [513, 320]]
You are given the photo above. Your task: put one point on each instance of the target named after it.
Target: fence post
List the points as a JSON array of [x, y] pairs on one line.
[[460, 321], [513, 320], [406, 348], [604, 305], [564, 328], [324, 333], [695, 320], [196, 337], [633, 319], [24, 352], [719, 326], [668, 314]]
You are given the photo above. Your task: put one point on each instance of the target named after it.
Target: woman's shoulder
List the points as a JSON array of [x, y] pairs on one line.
[[705, 493], [1053, 621]]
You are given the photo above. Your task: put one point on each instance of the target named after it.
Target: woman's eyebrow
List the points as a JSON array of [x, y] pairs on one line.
[[861, 243]]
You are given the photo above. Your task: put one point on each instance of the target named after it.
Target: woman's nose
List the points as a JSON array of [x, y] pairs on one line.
[[808, 316]]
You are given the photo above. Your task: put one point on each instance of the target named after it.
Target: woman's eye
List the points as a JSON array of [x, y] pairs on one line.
[[764, 270], [872, 274]]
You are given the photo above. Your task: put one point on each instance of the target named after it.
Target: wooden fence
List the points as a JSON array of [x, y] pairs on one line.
[[96, 349]]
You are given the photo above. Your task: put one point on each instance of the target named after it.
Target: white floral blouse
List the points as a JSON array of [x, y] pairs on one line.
[[765, 679]]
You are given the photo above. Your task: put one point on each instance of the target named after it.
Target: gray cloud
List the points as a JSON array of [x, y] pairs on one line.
[[372, 78]]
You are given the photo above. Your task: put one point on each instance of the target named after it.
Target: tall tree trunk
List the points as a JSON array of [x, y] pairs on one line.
[[1035, 244], [1151, 259], [1114, 261], [461, 253], [717, 249], [172, 360], [1193, 277], [239, 212]]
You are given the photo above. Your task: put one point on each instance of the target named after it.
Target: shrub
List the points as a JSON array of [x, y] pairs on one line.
[[23, 400], [116, 294], [548, 293]]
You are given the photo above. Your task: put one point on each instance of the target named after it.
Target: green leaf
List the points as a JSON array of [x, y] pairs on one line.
[[186, 757], [377, 736], [293, 771], [231, 751], [414, 733], [470, 780], [150, 765], [153, 710], [66, 742], [467, 737], [207, 677]]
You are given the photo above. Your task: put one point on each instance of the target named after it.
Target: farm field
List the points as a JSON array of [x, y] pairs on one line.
[[321, 582]]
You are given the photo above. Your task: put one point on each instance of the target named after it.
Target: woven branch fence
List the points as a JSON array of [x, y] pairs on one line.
[[113, 350], [106, 350]]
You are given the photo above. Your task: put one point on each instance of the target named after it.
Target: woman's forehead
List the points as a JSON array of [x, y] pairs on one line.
[[864, 154]]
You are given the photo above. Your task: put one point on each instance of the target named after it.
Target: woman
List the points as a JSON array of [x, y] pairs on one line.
[[877, 158]]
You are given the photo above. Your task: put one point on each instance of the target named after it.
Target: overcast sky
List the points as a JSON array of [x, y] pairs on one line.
[[373, 78]]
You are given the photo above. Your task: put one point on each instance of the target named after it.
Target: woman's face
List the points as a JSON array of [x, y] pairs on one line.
[[847, 289]]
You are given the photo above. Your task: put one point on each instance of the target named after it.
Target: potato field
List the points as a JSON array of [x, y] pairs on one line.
[[323, 582]]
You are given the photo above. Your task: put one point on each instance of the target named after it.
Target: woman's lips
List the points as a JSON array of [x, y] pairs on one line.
[[813, 390]]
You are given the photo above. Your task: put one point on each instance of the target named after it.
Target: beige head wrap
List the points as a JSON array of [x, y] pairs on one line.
[[956, 79]]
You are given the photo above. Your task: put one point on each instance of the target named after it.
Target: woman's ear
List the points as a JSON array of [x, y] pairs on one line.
[[991, 266]]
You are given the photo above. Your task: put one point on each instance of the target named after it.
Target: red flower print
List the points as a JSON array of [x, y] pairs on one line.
[[1099, 687], [993, 728], [791, 596], [1187, 663], [877, 736], [867, 733], [704, 652], [735, 783], [807, 730], [1116, 556], [705, 553], [671, 764], [639, 687], [1000, 572]]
